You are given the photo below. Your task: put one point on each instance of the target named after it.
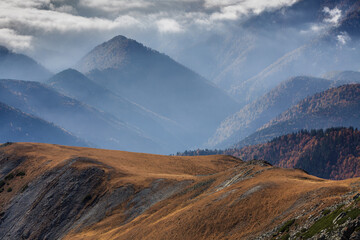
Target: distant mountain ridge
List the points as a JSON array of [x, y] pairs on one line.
[[19, 66], [17, 126], [336, 107], [246, 121], [86, 122], [74, 84], [160, 84], [287, 94], [334, 46]]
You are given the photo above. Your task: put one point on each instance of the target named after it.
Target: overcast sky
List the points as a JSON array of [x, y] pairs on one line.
[[58, 32]]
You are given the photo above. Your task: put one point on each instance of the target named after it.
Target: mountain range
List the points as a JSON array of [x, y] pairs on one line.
[[160, 84], [336, 107], [17, 126], [20, 66], [278, 93], [82, 120], [267, 48], [134, 98], [253, 116], [76, 85]]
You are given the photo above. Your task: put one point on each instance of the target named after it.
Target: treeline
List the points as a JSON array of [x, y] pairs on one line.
[[333, 153]]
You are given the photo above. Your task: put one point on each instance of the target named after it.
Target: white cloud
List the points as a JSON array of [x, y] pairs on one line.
[[235, 9], [47, 21], [343, 38], [333, 15], [11, 39], [63, 24], [116, 5], [167, 25]]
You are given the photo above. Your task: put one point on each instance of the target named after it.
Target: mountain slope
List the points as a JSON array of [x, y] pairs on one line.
[[333, 49], [335, 107], [160, 84], [19, 66], [20, 127], [81, 193], [86, 122], [343, 77], [331, 154], [288, 93], [254, 115], [74, 84]]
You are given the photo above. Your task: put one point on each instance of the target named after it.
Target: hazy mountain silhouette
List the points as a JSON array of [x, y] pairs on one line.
[[160, 84], [84, 121], [74, 84], [254, 115], [336, 107], [288, 93], [334, 49], [19, 66], [17, 126]]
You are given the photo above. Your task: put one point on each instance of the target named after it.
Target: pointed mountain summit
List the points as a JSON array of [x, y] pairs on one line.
[[115, 53], [19, 66], [160, 84]]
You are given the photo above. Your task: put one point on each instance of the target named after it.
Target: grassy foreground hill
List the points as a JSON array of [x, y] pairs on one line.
[[53, 191]]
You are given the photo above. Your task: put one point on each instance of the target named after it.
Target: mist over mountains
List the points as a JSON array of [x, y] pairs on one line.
[[219, 91], [160, 84], [96, 97]]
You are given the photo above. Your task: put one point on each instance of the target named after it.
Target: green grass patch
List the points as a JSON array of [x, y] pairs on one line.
[[285, 237], [325, 222], [287, 225], [350, 213], [326, 212]]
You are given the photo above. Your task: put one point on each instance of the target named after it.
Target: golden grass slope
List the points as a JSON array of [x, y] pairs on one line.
[[208, 197]]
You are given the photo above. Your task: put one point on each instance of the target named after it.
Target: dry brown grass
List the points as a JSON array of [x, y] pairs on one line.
[[241, 210]]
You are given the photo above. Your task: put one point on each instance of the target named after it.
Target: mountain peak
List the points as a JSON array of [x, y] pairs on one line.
[[112, 54], [70, 76], [70, 72], [121, 38]]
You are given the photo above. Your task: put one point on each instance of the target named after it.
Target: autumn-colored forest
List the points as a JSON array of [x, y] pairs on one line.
[[333, 153]]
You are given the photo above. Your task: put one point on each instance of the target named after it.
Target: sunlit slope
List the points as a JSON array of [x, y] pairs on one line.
[[81, 193]]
